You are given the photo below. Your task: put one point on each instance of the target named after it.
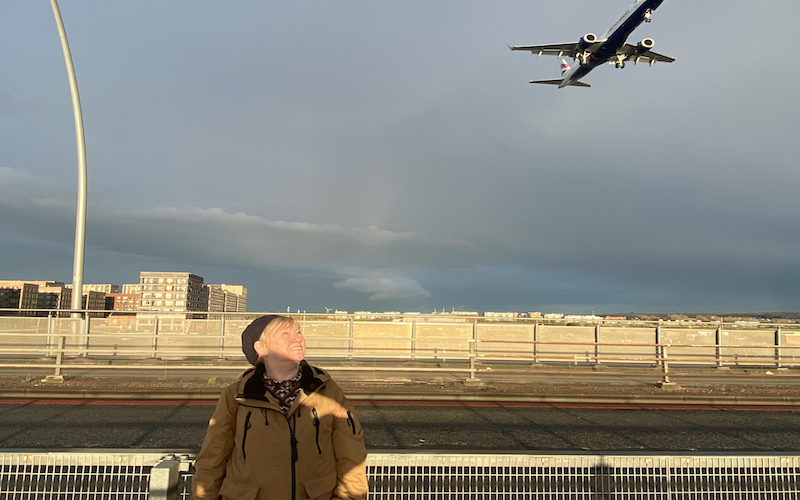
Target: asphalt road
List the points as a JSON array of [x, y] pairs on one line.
[[417, 426]]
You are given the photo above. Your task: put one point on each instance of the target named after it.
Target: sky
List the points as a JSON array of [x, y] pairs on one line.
[[392, 156]]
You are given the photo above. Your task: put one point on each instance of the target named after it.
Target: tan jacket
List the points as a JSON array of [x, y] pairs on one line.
[[254, 458]]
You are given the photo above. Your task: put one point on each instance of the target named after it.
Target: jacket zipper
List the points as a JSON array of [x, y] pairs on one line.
[[316, 424], [351, 421], [244, 434], [294, 455]]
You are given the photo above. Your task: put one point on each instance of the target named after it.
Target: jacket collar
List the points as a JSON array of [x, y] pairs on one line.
[[251, 385]]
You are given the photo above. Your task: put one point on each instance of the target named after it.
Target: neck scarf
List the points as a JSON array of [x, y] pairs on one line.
[[285, 392]]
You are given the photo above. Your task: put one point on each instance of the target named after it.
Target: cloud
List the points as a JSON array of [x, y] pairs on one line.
[[385, 288], [211, 236]]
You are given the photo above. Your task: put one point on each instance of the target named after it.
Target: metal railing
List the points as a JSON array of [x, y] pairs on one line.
[[161, 475], [463, 345]]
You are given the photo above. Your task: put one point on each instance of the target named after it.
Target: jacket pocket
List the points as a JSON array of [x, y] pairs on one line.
[[238, 491], [322, 487]]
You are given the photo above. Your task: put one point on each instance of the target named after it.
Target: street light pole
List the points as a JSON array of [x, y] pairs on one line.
[[80, 220]]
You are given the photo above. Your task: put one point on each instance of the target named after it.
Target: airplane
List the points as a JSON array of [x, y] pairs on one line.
[[591, 51]]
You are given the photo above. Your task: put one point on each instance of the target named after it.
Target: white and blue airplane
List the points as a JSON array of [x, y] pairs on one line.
[[591, 51]]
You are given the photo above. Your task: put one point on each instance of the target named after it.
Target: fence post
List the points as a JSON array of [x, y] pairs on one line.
[[536, 342], [84, 340], [665, 365], [473, 351], [155, 335], [597, 344], [413, 339], [221, 336], [62, 342], [718, 343], [49, 334], [659, 349], [351, 342], [778, 347], [164, 480]]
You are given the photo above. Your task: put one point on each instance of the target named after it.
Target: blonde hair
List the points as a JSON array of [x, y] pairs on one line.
[[273, 325]]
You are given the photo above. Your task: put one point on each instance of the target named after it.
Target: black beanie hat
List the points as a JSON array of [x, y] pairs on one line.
[[252, 333]]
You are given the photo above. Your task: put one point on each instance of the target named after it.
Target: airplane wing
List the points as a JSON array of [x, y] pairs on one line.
[[569, 49], [648, 56]]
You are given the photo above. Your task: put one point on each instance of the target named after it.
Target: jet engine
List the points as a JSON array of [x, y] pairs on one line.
[[586, 41], [644, 46]]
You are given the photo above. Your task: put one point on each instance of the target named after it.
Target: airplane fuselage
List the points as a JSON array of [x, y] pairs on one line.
[[612, 47], [612, 40]]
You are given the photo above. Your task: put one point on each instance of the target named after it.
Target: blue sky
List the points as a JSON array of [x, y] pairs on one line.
[[391, 155]]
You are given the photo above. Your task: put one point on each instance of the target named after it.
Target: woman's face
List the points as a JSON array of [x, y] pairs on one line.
[[287, 342]]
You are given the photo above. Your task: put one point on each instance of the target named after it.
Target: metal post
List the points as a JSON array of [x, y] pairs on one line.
[[778, 347], [351, 343], [536, 342], [155, 335], [718, 343], [473, 351], [80, 220], [597, 344], [49, 333], [413, 339], [659, 350], [84, 340], [62, 342], [221, 336]]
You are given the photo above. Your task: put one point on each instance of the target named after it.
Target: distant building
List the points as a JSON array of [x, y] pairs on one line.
[[54, 297], [156, 292], [19, 295], [227, 298], [171, 292], [105, 288], [462, 313], [237, 294], [129, 289], [123, 301], [94, 301], [500, 315], [216, 299]]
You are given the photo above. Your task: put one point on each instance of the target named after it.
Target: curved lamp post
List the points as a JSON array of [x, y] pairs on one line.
[[80, 221]]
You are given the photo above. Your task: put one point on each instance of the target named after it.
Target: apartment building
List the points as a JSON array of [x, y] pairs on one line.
[[104, 288], [55, 296], [235, 294], [19, 295], [122, 302], [227, 298], [169, 292]]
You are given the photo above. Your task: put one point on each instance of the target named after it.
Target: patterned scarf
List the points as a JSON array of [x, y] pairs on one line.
[[285, 392]]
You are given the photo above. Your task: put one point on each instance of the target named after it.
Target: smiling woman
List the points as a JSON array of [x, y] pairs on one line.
[[284, 429]]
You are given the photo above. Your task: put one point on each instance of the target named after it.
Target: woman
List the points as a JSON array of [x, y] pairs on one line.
[[284, 430]]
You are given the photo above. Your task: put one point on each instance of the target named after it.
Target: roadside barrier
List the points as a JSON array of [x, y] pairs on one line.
[[451, 344], [160, 475]]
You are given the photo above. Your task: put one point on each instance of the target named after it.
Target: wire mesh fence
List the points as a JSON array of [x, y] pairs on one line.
[[75, 475], [97, 474]]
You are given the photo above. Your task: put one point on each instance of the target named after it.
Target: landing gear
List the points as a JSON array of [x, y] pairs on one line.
[[620, 61], [648, 13]]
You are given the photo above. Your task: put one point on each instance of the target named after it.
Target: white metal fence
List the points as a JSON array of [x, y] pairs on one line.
[[98, 474], [153, 341]]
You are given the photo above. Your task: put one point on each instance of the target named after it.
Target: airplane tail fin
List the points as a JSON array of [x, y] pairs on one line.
[[564, 67]]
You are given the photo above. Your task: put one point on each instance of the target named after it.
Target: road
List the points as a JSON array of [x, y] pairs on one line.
[[417, 426]]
